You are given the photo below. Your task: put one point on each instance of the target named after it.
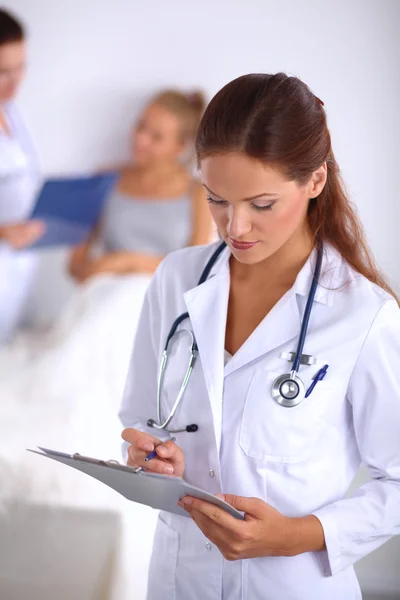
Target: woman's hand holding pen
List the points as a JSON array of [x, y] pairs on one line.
[[169, 459]]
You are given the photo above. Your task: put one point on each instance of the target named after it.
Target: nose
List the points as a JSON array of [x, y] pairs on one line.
[[141, 140], [239, 224]]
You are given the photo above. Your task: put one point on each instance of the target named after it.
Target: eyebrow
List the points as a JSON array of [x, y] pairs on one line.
[[244, 199]]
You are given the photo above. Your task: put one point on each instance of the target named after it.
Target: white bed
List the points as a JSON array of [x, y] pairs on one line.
[[62, 390]]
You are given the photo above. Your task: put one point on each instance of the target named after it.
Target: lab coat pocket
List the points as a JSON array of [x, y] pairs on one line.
[[271, 432], [164, 558]]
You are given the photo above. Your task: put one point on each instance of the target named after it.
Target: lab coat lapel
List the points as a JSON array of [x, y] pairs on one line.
[[207, 306]]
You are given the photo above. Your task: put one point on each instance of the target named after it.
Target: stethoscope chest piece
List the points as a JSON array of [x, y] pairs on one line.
[[288, 390]]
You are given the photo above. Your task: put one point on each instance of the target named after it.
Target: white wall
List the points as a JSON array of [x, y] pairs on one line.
[[93, 61]]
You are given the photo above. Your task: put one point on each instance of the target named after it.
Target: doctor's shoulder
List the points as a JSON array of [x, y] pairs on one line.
[[15, 118], [364, 299], [181, 270]]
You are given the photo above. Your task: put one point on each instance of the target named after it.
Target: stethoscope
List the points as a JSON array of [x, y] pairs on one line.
[[287, 389]]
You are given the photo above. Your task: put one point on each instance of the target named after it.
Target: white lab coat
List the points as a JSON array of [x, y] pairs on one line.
[[300, 460], [19, 183]]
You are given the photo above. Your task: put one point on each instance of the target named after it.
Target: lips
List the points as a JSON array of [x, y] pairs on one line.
[[242, 245]]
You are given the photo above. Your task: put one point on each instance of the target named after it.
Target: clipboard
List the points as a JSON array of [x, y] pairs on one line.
[[70, 208], [161, 492]]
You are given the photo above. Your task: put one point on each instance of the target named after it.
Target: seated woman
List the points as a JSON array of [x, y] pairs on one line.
[[79, 366], [156, 206]]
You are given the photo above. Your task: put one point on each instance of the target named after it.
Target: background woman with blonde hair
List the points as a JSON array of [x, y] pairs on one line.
[[72, 377], [156, 206]]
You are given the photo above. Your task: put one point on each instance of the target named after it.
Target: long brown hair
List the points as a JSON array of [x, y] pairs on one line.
[[11, 29], [277, 119]]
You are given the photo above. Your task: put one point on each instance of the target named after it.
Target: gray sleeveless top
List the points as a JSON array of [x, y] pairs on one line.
[[147, 225]]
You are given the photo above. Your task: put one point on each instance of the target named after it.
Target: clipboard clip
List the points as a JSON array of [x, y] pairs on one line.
[[104, 463], [95, 461]]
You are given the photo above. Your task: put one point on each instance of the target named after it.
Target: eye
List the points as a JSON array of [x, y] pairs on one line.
[[216, 202], [222, 203], [263, 208]]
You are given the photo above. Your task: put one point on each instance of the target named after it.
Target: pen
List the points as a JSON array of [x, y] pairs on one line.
[[154, 453], [319, 377]]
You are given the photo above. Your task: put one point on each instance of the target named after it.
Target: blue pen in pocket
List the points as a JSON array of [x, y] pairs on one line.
[[319, 377]]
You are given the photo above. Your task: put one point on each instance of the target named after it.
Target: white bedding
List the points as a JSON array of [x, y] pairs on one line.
[[62, 390]]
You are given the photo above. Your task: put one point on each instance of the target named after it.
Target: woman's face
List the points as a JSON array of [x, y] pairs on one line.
[[256, 210], [156, 138], [12, 68]]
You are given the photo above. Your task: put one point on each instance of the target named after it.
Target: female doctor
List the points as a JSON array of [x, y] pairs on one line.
[[296, 379], [19, 182]]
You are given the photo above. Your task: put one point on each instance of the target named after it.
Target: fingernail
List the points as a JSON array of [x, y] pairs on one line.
[[180, 503], [161, 450], [169, 469], [148, 447], [187, 501]]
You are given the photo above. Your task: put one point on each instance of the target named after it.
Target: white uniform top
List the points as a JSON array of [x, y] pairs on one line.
[[19, 183], [300, 460]]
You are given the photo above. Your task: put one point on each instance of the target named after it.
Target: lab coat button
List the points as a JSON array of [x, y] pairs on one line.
[[208, 546], [211, 473]]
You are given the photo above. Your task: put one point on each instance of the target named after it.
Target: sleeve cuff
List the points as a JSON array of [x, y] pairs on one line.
[[330, 558]]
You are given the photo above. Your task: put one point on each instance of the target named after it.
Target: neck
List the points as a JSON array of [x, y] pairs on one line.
[[281, 268], [157, 170]]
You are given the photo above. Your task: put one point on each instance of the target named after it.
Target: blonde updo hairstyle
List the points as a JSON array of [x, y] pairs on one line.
[[188, 108]]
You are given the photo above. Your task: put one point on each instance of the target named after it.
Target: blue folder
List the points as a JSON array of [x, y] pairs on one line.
[[70, 208]]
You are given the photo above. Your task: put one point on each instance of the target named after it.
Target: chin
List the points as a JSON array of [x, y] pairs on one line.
[[251, 256], [141, 160], [247, 259], [7, 97]]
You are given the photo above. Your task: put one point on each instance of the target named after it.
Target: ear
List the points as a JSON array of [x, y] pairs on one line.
[[317, 181]]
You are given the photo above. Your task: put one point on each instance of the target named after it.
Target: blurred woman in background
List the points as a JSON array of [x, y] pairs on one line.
[[19, 181], [157, 206], [58, 384]]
